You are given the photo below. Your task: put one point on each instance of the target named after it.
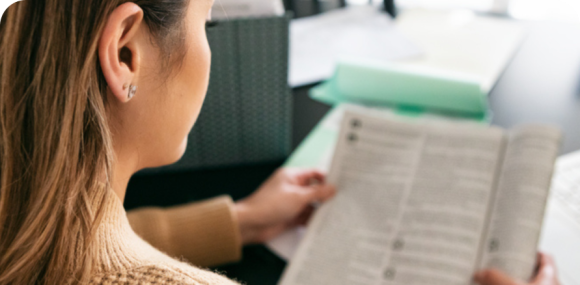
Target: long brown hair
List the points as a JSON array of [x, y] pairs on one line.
[[55, 143]]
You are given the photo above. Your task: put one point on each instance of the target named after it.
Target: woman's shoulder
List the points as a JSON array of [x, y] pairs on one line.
[[161, 274]]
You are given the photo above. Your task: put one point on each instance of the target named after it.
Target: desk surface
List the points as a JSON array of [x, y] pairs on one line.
[[541, 84]]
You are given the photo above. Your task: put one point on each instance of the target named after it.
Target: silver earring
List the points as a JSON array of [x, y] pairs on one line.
[[132, 91]]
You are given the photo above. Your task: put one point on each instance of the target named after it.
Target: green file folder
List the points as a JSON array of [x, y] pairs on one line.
[[403, 87]]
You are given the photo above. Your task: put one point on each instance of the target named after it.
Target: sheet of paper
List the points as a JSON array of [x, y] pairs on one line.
[[356, 32], [461, 41], [561, 229], [285, 245], [561, 239], [231, 9]]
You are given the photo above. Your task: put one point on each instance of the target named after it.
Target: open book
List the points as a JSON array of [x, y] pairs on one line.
[[428, 203]]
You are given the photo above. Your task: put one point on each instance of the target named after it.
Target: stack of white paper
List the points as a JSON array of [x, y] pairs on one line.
[[355, 32], [231, 9], [461, 42]]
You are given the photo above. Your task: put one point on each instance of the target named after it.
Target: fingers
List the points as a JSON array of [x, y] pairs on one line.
[[314, 194], [319, 193], [307, 177], [546, 274], [312, 182], [493, 277], [546, 271]]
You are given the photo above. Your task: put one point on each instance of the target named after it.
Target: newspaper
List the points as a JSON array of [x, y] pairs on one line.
[[428, 203]]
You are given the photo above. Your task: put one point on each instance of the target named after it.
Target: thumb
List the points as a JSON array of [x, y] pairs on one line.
[[320, 192], [493, 277], [547, 270], [305, 177]]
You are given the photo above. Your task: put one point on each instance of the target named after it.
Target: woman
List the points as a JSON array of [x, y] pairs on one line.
[[91, 92]]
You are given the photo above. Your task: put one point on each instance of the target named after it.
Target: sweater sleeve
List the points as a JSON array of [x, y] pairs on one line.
[[204, 233]]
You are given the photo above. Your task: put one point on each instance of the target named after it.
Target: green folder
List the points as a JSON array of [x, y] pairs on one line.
[[403, 90], [404, 87], [312, 149]]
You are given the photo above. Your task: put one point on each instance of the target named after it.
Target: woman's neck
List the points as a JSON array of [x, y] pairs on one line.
[[126, 165], [120, 183]]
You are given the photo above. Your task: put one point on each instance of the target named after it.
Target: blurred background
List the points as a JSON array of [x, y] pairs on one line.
[[559, 10]]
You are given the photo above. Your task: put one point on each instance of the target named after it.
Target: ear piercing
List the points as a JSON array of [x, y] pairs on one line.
[[132, 90]]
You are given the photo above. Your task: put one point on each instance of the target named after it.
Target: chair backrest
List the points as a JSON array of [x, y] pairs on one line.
[[246, 118]]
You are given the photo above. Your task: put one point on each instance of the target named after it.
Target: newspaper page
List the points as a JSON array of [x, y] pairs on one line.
[[410, 209], [516, 222]]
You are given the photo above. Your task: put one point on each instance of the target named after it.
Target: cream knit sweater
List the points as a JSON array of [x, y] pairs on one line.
[[133, 245]]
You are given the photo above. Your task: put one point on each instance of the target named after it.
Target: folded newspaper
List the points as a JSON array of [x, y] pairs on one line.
[[427, 202]]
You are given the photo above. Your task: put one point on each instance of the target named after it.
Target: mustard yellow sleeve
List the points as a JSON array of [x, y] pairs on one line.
[[204, 233]]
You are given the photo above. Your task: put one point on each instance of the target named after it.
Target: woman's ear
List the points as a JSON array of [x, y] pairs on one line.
[[119, 51]]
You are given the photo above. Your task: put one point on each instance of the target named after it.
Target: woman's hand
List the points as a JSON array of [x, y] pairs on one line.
[[546, 274], [285, 200]]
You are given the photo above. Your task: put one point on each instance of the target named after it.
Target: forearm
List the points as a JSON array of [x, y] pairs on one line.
[[205, 233]]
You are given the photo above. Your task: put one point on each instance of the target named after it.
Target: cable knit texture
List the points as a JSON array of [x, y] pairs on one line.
[[126, 258]]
